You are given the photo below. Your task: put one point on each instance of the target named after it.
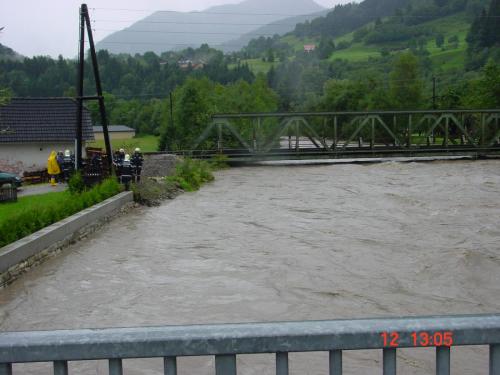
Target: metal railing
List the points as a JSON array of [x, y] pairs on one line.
[[228, 340], [362, 134]]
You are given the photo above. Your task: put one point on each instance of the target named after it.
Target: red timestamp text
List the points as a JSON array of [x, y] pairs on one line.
[[422, 338]]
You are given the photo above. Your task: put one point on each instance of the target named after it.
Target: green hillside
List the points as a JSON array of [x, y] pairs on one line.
[[450, 55], [360, 45]]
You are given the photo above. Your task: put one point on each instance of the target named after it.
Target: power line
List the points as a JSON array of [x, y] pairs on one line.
[[198, 23], [180, 32], [260, 14], [170, 44], [204, 12]]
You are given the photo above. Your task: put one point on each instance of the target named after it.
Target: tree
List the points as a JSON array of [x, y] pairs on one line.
[[485, 92], [405, 84], [270, 55], [4, 96], [439, 40], [326, 47]]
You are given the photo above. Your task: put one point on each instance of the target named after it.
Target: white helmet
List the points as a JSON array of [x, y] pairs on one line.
[[127, 157], [137, 149], [122, 150], [67, 153]]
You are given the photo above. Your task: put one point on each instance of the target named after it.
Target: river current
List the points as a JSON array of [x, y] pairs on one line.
[[283, 243]]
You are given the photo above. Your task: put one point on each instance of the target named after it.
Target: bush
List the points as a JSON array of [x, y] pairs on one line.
[[219, 162], [33, 218], [150, 192], [76, 185], [191, 174]]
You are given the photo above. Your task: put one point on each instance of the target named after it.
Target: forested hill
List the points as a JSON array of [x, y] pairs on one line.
[[165, 30], [346, 18], [7, 53]]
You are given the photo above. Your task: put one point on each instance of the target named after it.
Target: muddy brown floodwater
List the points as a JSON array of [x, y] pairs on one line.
[[284, 243]]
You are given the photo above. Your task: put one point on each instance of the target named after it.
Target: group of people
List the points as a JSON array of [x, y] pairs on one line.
[[60, 166], [128, 168]]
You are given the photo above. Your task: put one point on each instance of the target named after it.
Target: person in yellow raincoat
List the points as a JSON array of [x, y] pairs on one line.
[[53, 168]]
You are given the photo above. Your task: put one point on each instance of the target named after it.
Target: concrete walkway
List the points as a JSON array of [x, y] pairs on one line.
[[40, 189]]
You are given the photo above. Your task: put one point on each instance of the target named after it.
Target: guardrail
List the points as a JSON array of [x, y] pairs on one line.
[[228, 340]]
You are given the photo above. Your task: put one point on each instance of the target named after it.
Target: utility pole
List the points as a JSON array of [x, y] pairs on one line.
[[79, 99], [85, 21]]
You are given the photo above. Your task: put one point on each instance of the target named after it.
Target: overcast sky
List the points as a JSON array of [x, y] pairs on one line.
[[50, 27]]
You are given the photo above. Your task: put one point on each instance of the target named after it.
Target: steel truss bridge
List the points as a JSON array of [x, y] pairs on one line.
[[270, 136]]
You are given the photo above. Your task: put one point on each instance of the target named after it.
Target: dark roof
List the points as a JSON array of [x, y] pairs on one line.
[[28, 120], [114, 128]]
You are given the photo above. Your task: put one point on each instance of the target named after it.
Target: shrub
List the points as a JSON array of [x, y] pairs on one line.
[[76, 184], [191, 174], [219, 162]]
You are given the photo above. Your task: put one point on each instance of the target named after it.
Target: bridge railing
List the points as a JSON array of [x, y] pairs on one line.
[[227, 341], [337, 132]]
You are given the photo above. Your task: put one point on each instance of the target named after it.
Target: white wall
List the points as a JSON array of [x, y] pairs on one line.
[[18, 158]]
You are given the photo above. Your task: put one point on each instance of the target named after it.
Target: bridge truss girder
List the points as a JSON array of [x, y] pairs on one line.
[[335, 132]]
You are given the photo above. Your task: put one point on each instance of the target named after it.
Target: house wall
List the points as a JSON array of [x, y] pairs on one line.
[[17, 158], [115, 135]]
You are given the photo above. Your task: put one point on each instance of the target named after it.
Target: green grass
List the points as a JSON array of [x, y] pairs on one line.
[[356, 52], [147, 143], [445, 58], [257, 65], [33, 202]]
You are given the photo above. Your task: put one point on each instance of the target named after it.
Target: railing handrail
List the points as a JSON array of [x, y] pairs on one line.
[[246, 338], [350, 113]]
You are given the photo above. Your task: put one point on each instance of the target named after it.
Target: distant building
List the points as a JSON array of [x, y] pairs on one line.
[[30, 128], [195, 65], [309, 47], [115, 132]]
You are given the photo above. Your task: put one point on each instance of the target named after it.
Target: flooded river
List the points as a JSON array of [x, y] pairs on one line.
[[284, 243]]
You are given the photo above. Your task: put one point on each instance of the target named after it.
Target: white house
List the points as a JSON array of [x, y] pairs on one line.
[[30, 128]]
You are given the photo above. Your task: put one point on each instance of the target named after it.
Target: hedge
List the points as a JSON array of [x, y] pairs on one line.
[[19, 223]]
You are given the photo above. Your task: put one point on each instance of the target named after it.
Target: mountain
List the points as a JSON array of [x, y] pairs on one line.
[[280, 27], [7, 53], [166, 30]]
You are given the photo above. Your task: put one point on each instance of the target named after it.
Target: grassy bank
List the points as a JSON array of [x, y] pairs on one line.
[[147, 143], [30, 214], [189, 175]]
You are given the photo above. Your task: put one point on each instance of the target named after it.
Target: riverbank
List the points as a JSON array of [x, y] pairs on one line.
[[57, 230]]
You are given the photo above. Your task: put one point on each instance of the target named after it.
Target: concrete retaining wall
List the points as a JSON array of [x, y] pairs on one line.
[[38, 245]]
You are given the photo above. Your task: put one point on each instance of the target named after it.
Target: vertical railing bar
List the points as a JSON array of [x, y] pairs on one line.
[[115, 366], [389, 361], [282, 363], [442, 360], [225, 364], [335, 133], [336, 362], [5, 368], [410, 130], [60, 368], [372, 140], [495, 359], [170, 365]]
